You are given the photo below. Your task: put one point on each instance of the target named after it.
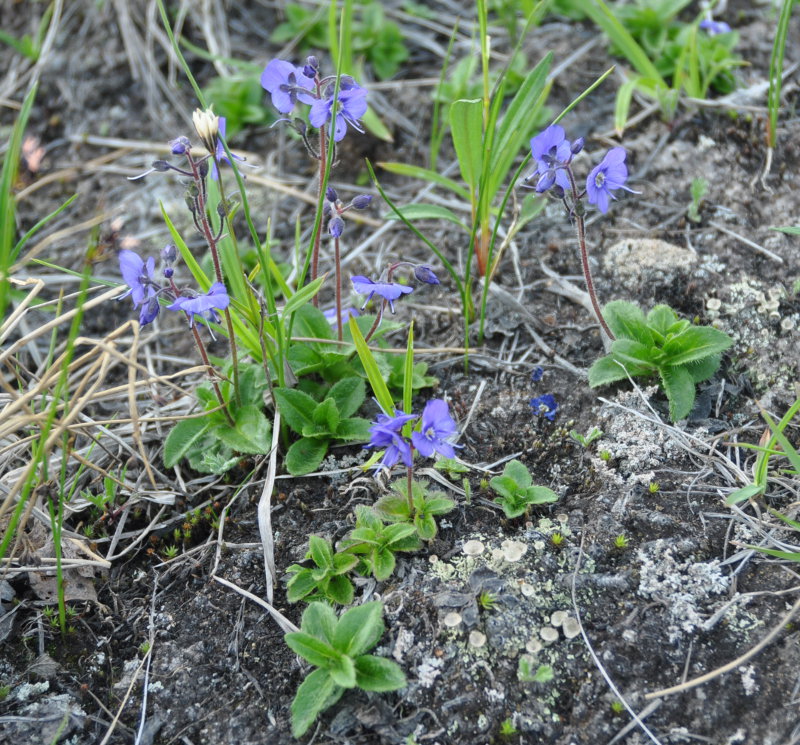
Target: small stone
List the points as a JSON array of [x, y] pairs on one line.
[[473, 548], [548, 634], [533, 646], [452, 619], [527, 589], [513, 550], [558, 618], [571, 627], [477, 639]]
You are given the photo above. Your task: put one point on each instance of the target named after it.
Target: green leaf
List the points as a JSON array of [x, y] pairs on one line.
[[378, 674], [661, 318], [316, 651], [311, 322], [305, 455], [384, 562], [319, 620], [777, 434], [252, 432], [359, 629], [786, 555], [695, 343], [349, 394], [703, 369], [623, 103], [404, 169], [343, 672], [679, 387], [343, 563], [340, 588], [425, 526], [636, 357], [374, 376], [627, 321], [439, 505], [300, 585], [413, 211], [315, 694], [517, 471], [505, 486], [181, 438], [746, 492], [606, 370], [321, 551], [466, 128], [512, 507], [326, 415], [355, 429], [397, 532], [297, 408], [540, 495], [302, 296], [789, 230]]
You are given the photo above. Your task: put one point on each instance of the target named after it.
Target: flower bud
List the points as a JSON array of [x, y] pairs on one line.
[[149, 311], [168, 272], [546, 181], [206, 124], [311, 67], [336, 226], [160, 165], [558, 192], [331, 195], [424, 273], [180, 145], [361, 202], [202, 168], [577, 146], [169, 254]]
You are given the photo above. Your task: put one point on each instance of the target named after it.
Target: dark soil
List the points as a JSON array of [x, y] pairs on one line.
[[681, 599]]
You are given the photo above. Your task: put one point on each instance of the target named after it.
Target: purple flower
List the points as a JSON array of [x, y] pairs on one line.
[[610, 175], [204, 306], [330, 314], [351, 106], [551, 151], [336, 226], [437, 426], [386, 433], [221, 156], [287, 85], [390, 291], [545, 406], [138, 275], [714, 27], [180, 145]]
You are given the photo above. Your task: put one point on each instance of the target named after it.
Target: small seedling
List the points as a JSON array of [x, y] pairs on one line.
[[394, 507], [605, 455], [654, 487], [144, 648], [487, 600], [585, 440], [516, 490], [698, 190], [557, 539], [525, 673], [663, 345], [507, 728], [617, 707], [484, 484], [621, 541], [328, 581], [170, 552], [336, 648]]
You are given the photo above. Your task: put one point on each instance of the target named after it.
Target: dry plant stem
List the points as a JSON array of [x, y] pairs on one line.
[[580, 227], [208, 234], [338, 263], [323, 162]]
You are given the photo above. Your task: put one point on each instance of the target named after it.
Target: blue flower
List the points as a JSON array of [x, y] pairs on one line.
[[714, 27], [390, 291], [204, 306], [545, 406], [386, 432], [551, 151], [287, 85], [610, 175], [330, 314], [351, 106], [537, 374], [138, 275], [437, 426]]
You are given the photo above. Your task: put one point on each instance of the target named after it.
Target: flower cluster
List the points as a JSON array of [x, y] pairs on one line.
[[431, 434], [145, 289], [289, 85], [553, 154], [333, 209], [391, 291]]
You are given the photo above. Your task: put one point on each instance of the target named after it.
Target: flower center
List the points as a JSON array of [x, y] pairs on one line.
[[600, 179]]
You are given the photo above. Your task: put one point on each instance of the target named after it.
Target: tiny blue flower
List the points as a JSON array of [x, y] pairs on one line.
[[437, 427], [545, 406], [551, 151], [713, 27], [139, 276], [390, 291], [351, 106], [204, 306], [386, 432], [287, 85], [610, 175], [330, 314], [179, 145], [537, 374]]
